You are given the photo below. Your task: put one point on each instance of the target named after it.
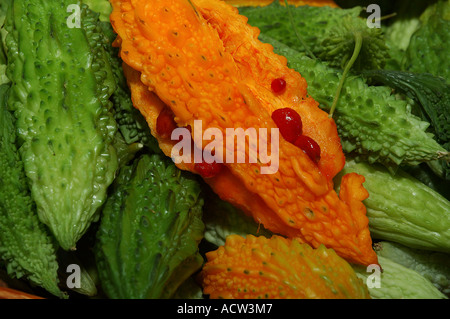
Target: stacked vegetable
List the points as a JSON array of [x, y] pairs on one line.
[[85, 122]]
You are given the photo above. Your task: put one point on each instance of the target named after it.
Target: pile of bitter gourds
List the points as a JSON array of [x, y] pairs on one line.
[[85, 178]]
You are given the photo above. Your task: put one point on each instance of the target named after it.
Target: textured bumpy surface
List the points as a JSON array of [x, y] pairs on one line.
[[150, 230], [276, 267], [432, 265], [26, 247], [374, 125], [398, 282], [202, 60], [402, 209], [61, 84]]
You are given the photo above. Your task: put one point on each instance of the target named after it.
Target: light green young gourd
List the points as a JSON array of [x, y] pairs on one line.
[[397, 282], [27, 249], [61, 84], [402, 209]]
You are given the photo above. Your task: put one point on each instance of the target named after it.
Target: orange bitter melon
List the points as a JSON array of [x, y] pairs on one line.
[[202, 59], [278, 268]]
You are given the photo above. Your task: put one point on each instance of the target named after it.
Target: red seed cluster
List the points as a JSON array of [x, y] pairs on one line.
[[208, 170], [278, 85], [288, 122], [309, 146], [165, 123], [290, 125]]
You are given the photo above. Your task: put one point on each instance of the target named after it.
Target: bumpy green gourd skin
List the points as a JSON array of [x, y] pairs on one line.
[[150, 229], [61, 83], [397, 282], [402, 209], [317, 28], [312, 24], [434, 266], [428, 49], [26, 248], [132, 125], [432, 97], [372, 123]]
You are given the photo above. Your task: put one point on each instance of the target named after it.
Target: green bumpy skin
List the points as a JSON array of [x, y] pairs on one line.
[[313, 24], [372, 123], [434, 266], [432, 97], [61, 83], [397, 282], [26, 248], [402, 209], [147, 242], [428, 49], [132, 125], [329, 33]]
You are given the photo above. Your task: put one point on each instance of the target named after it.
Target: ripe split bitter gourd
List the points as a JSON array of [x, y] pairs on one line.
[[204, 62], [61, 84], [277, 267]]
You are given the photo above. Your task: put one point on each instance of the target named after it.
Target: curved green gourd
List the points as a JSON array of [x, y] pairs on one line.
[[402, 209], [397, 282], [61, 83], [428, 48], [150, 230], [434, 266], [26, 247]]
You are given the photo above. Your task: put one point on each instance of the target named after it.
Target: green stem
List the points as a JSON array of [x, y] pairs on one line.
[[358, 45], [291, 19]]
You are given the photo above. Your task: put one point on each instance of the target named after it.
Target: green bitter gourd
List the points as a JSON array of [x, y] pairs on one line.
[[132, 125], [432, 103], [434, 266], [402, 209], [396, 282], [26, 248], [150, 230], [61, 83]]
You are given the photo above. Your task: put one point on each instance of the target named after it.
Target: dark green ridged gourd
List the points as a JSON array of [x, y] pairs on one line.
[[26, 248], [61, 84], [132, 125], [150, 230], [373, 124]]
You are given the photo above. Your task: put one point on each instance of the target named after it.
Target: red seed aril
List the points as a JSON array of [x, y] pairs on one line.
[[165, 123], [289, 123], [278, 85], [309, 146], [208, 170]]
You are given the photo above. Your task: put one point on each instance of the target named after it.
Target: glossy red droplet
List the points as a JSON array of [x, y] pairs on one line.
[[289, 123], [309, 146], [165, 123], [208, 170], [278, 85]]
